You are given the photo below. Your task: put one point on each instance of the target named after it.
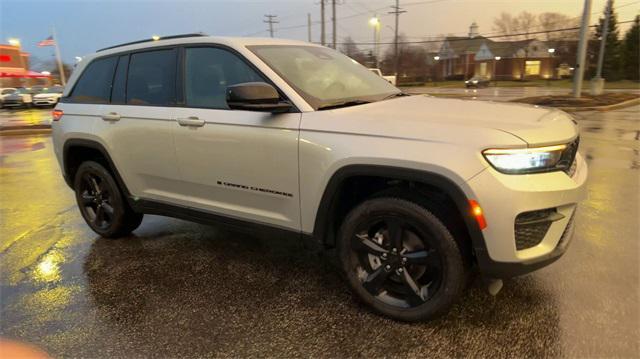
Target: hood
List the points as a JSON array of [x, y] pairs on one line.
[[428, 118]]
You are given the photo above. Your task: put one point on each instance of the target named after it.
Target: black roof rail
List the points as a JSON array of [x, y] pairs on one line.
[[152, 39]]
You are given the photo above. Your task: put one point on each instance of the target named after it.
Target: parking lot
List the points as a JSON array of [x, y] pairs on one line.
[[178, 289]]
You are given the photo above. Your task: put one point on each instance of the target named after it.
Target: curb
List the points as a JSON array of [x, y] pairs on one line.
[[615, 106], [25, 131]]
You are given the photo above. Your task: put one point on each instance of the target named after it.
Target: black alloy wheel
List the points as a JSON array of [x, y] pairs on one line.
[[101, 202], [401, 259]]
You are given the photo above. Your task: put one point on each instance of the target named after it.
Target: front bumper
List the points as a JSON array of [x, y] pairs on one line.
[[12, 103], [45, 101], [504, 197]]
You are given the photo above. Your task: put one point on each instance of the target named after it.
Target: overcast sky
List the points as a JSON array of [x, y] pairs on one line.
[[84, 26]]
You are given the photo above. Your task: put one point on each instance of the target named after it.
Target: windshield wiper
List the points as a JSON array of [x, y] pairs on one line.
[[342, 104], [393, 95]]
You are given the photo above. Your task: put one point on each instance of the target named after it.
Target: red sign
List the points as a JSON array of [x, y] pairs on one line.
[[5, 58]]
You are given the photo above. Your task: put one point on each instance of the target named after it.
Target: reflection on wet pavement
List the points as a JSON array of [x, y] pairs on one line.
[[178, 289], [25, 117]]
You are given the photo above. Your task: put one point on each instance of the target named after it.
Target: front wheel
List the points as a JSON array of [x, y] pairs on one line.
[[101, 202], [400, 259]]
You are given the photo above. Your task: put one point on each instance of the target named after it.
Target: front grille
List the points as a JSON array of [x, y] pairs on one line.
[[531, 227]]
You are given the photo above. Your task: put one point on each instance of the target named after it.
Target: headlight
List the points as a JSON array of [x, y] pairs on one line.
[[475, 81], [526, 160]]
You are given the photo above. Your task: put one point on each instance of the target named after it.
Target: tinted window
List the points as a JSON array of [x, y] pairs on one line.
[[152, 78], [120, 81], [208, 72], [94, 85]]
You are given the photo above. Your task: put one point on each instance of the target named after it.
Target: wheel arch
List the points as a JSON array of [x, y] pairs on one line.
[[325, 227], [76, 150]]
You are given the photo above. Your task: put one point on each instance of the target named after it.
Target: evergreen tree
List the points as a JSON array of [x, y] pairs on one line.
[[612, 65], [631, 52]]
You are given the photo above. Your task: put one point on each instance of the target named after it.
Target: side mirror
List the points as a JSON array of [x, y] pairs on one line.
[[255, 96]]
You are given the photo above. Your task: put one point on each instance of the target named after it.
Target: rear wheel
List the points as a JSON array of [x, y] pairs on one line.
[[400, 259], [101, 202]]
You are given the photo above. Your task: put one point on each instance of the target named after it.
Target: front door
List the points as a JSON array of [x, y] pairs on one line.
[[235, 163]]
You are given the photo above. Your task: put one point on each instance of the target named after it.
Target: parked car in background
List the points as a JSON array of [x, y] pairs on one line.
[[5, 92], [49, 96], [390, 78], [478, 81]]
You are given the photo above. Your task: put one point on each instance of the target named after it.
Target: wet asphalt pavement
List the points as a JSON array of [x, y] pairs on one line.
[[177, 289]]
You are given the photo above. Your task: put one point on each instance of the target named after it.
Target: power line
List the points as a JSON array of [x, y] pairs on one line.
[[485, 37]]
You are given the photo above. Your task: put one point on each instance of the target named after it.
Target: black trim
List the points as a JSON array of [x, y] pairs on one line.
[[74, 142], [206, 217], [151, 40], [329, 199], [180, 74]]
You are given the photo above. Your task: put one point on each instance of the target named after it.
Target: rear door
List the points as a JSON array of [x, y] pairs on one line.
[[236, 163], [137, 123]]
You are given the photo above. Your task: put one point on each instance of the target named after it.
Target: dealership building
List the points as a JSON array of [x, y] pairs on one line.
[[14, 69]]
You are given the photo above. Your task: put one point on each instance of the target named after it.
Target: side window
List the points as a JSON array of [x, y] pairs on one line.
[[208, 72], [94, 85], [120, 81], [151, 79]]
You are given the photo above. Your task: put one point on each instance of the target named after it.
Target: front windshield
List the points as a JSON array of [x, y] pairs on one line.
[[7, 91], [324, 77]]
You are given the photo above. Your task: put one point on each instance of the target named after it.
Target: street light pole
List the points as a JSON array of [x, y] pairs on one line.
[[597, 83], [578, 75], [495, 69], [375, 22], [551, 51]]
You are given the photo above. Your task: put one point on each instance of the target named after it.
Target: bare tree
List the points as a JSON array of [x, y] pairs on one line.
[[505, 24], [350, 49], [552, 21], [525, 22]]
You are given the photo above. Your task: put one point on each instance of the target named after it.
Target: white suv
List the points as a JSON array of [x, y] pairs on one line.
[[295, 138]]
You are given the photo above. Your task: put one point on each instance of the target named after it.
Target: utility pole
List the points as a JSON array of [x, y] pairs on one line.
[[397, 11], [271, 20], [334, 21], [309, 27], [582, 50], [323, 39], [597, 83]]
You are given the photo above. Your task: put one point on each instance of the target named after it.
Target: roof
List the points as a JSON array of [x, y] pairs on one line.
[[196, 38], [507, 48], [463, 44]]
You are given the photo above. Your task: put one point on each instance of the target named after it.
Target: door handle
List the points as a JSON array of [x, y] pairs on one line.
[[111, 116], [192, 121]]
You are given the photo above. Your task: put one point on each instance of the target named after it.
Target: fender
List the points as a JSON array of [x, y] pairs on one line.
[[77, 142], [322, 226]]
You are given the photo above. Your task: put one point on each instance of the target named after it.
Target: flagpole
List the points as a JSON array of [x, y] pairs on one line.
[[58, 57]]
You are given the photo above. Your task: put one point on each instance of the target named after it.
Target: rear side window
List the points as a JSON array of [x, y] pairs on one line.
[[120, 81], [208, 72], [94, 85], [151, 78]]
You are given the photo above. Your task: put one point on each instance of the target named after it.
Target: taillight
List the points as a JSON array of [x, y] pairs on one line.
[[57, 114], [477, 213]]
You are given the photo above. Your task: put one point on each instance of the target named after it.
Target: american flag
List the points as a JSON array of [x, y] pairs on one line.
[[47, 42]]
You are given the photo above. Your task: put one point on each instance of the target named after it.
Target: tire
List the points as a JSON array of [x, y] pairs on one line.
[[101, 202], [400, 259]]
